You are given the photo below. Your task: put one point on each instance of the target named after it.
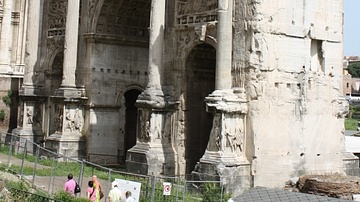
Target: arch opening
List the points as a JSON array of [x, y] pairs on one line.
[[200, 82], [130, 119]]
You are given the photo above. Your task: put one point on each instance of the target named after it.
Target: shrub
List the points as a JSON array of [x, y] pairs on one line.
[[213, 192], [65, 196], [2, 115], [7, 99]]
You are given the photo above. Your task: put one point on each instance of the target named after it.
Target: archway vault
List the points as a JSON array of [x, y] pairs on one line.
[[128, 18]]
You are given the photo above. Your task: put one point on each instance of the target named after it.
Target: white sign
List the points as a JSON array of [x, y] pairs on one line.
[[167, 188], [133, 187]]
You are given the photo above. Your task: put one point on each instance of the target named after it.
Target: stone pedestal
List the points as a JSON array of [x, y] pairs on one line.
[[236, 178], [224, 158], [28, 134], [150, 159], [30, 122], [73, 146], [351, 164], [153, 153], [67, 128]]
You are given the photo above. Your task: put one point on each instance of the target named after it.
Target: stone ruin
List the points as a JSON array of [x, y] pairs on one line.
[[245, 91]]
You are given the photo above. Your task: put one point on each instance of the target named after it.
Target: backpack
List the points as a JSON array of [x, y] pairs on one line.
[[77, 188]]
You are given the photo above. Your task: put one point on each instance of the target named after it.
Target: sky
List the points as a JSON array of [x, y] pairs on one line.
[[351, 27]]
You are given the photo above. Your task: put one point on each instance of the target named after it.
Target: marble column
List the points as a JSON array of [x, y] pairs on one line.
[[70, 116], [224, 157], [156, 41], [31, 95], [153, 153], [224, 46], [6, 37], [153, 93], [71, 44], [32, 42], [68, 88]]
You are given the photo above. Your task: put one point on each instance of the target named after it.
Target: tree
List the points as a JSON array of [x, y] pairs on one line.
[[354, 70]]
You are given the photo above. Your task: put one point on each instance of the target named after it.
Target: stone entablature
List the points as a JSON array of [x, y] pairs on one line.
[[190, 13]]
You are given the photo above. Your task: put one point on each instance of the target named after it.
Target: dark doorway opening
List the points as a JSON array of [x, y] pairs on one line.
[[200, 82], [130, 119]]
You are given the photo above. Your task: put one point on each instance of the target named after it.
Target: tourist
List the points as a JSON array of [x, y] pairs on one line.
[[97, 186], [129, 198], [70, 185], [115, 193], [91, 193]]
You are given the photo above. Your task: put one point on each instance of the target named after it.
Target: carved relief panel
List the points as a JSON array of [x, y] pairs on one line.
[[33, 115], [56, 17], [192, 12]]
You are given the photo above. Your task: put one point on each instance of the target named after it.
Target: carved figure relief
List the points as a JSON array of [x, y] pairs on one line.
[[234, 133], [190, 7], [69, 122], [57, 17], [144, 132], [29, 115], [215, 142], [78, 120]]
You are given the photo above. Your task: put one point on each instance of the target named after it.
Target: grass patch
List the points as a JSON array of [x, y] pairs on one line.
[[351, 124]]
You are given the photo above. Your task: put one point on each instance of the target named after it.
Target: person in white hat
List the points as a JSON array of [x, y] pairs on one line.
[[115, 193]]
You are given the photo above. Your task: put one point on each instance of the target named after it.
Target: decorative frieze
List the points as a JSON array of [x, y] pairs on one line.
[[57, 18], [195, 12]]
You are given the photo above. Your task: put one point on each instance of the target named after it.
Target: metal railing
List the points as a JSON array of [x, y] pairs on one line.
[[47, 170]]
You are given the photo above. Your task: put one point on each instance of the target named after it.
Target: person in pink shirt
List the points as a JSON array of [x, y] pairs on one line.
[[91, 192], [70, 185]]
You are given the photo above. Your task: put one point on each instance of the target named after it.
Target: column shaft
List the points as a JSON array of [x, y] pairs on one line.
[[157, 26], [32, 46], [5, 37], [224, 46], [71, 43]]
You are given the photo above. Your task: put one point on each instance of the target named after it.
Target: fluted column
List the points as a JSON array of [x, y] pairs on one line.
[[224, 46], [71, 44], [5, 37], [32, 41]]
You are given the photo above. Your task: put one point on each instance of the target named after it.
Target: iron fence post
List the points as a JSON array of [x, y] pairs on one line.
[[23, 159], [10, 151], [51, 174], [109, 183], [81, 173], [52, 188], [153, 178], [184, 190], [36, 160]]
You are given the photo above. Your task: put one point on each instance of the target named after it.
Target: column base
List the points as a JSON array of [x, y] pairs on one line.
[[70, 92], [148, 159], [235, 175], [351, 164], [31, 90], [73, 146], [35, 136]]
